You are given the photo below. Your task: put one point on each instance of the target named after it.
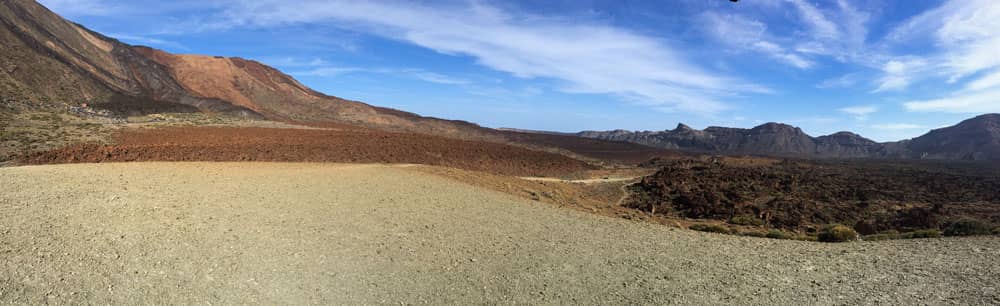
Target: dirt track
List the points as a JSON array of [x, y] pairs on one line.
[[234, 233]]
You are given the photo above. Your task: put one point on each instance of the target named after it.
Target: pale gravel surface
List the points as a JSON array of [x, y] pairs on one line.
[[253, 233]]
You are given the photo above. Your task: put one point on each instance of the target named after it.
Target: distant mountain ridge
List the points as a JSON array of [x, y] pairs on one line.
[[973, 139]]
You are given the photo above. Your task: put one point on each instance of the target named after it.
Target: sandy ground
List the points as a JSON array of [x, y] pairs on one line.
[[236, 233]]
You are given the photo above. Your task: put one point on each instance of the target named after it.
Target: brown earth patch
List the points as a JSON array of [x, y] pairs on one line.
[[303, 145]]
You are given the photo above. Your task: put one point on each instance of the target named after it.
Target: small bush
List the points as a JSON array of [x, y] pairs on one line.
[[837, 233], [966, 227], [927, 233], [711, 228], [806, 238], [746, 220], [996, 230], [777, 234], [757, 234]]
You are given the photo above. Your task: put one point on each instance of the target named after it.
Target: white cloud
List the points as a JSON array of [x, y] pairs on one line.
[[966, 35], [145, 40], [838, 31], [322, 68], [897, 126], [747, 34], [987, 101], [971, 33], [899, 73], [988, 81], [860, 112], [294, 62], [586, 58], [436, 77], [966, 32], [820, 26], [328, 71]]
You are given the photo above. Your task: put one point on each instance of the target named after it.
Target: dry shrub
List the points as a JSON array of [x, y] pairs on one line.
[[837, 233], [711, 228], [927, 233], [746, 220], [966, 227]]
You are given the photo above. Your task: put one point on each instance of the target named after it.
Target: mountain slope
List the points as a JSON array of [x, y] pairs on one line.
[[49, 62], [974, 139]]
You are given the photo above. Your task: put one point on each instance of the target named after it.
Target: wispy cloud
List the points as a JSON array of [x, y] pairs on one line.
[[988, 81], [978, 102], [328, 71], [821, 27], [585, 57], [900, 73], [744, 33], [966, 36], [81, 7], [897, 126], [322, 68], [859, 112], [146, 40], [844, 81], [436, 77], [837, 31], [295, 62]]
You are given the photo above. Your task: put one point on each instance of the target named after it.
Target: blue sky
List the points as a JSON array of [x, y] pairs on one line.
[[888, 70]]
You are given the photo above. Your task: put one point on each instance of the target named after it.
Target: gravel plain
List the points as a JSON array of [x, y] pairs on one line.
[[298, 233]]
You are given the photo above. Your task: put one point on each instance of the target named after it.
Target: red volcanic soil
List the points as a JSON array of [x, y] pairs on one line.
[[305, 145]]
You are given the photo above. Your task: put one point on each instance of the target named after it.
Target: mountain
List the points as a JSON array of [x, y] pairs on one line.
[[973, 139], [48, 62], [767, 139]]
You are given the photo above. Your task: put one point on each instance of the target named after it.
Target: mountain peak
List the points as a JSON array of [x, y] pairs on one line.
[[988, 117], [682, 128], [845, 138], [777, 127], [843, 134], [987, 120]]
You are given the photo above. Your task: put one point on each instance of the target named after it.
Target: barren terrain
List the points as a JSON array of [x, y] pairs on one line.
[[261, 233], [805, 195], [352, 145]]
